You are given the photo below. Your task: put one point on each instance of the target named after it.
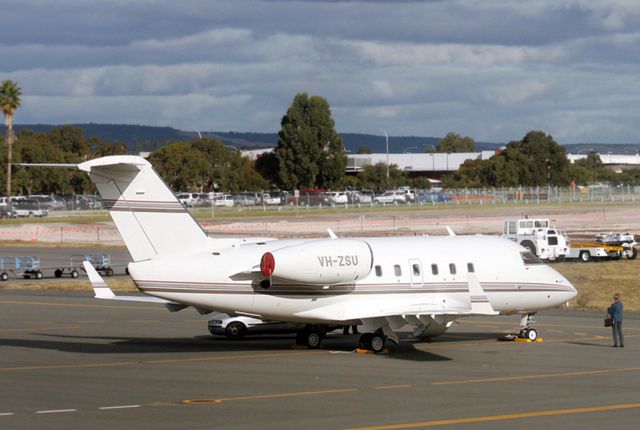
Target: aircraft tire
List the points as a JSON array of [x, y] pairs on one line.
[[314, 339], [531, 334], [235, 330], [377, 342]]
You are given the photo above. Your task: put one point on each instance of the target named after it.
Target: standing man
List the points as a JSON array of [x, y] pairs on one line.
[[615, 310]]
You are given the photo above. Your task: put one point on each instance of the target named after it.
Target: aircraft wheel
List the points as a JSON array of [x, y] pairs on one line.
[[531, 334], [365, 341], [57, 273], [4, 276], [235, 330], [377, 342], [74, 273], [314, 338], [585, 256]]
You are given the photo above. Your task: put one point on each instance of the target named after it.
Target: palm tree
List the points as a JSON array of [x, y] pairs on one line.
[[9, 101]]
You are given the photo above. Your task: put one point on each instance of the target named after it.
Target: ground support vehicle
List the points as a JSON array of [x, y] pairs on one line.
[[101, 262], [625, 240], [593, 250], [546, 242], [24, 265]]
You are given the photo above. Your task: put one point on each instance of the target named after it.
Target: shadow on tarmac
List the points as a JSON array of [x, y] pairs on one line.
[[206, 344]]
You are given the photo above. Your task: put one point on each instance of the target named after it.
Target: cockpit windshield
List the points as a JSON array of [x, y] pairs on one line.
[[529, 258]]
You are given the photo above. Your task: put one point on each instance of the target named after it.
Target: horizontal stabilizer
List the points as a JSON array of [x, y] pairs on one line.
[[102, 290]]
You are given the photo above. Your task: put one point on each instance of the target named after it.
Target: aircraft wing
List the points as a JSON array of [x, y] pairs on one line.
[[102, 290]]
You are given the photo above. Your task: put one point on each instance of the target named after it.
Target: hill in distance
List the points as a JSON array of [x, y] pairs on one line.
[[147, 138]]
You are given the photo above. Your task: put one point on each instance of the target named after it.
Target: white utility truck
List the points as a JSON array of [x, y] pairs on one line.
[[538, 236]]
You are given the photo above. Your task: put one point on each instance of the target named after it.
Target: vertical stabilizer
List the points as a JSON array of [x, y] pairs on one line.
[[148, 216]]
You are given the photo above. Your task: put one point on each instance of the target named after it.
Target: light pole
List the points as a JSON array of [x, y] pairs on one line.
[[386, 139]]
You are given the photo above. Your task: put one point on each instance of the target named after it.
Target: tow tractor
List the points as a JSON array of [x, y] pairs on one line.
[[538, 236]]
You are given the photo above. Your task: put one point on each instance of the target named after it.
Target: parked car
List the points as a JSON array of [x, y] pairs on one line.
[[49, 202], [244, 199], [271, 199], [236, 327], [391, 197], [27, 208], [409, 195], [188, 200], [223, 200], [359, 197], [433, 197], [337, 198]]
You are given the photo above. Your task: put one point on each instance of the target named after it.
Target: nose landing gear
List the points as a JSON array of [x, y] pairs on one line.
[[526, 327]]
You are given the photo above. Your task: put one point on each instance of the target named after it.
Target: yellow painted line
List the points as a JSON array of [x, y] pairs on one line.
[[516, 416], [269, 396], [67, 366], [538, 376], [78, 305], [393, 387], [577, 333]]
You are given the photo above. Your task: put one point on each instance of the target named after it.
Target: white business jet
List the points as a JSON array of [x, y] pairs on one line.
[[380, 284]]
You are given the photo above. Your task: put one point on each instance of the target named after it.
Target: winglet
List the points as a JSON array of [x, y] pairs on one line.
[[100, 288], [332, 235], [480, 304], [450, 231]]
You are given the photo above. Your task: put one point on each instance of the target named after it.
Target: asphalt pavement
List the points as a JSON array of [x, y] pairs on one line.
[[68, 361]]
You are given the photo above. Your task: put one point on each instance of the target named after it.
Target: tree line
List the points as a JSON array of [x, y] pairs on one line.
[[309, 155]]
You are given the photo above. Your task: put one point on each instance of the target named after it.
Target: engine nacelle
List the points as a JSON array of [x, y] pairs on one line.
[[319, 262]]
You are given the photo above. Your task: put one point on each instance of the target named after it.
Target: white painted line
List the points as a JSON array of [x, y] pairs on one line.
[[4, 414], [104, 408], [56, 411]]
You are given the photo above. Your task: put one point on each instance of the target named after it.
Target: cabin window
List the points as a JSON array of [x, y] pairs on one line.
[[470, 268], [529, 258], [397, 270], [434, 269], [378, 271], [416, 269], [452, 268], [553, 240]]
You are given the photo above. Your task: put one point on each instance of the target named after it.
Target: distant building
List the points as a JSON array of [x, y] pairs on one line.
[[615, 162]]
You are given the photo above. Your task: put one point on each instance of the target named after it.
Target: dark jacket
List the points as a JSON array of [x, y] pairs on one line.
[[615, 310]]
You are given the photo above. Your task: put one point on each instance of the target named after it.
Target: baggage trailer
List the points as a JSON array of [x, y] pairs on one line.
[[589, 251], [101, 262], [21, 265]]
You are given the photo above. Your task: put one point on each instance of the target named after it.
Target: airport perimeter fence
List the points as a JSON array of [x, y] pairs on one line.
[[445, 197]]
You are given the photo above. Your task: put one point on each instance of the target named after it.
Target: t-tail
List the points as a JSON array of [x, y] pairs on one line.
[[148, 216]]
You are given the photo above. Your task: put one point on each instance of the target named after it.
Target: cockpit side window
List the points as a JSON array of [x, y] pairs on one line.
[[529, 258]]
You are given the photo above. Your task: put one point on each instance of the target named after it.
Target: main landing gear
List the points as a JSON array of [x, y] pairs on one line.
[[373, 341], [311, 336], [526, 327]]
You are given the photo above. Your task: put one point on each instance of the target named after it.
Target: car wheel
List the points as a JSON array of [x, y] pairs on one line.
[[377, 342], [38, 275], [74, 273], [57, 273], [235, 330], [585, 256], [109, 271], [3, 276]]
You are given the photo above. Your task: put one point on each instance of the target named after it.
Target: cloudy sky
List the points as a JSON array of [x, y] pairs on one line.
[[491, 69]]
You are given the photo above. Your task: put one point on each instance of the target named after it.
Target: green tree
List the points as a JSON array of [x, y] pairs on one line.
[[10, 101], [102, 149], [453, 142], [374, 176], [364, 150], [181, 166], [310, 152]]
